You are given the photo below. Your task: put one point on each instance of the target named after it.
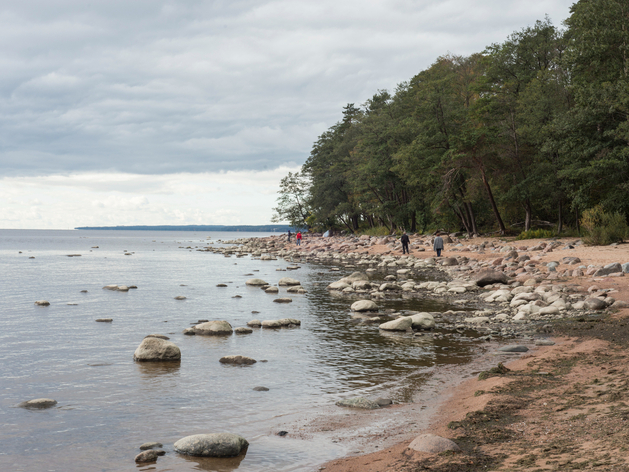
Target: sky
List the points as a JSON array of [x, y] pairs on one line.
[[190, 112]]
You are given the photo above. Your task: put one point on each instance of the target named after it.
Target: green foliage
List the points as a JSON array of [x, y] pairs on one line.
[[603, 228], [533, 128], [377, 231], [536, 234]]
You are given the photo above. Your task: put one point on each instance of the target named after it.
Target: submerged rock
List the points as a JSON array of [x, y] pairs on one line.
[[358, 402], [150, 445], [255, 282], [238, 360], [42, 303], [283, 300], [212, 445], [156, 349], [287, 282], [149, 456], [242, 330], [38, 403]]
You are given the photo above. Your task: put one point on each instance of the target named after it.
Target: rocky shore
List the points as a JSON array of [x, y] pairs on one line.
[[545, 404]]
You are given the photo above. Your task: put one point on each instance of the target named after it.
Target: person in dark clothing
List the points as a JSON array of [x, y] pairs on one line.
[[438, 245], [289, 235], [405, 240]]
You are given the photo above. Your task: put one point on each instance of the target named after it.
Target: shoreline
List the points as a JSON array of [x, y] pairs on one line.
[[585, 346]]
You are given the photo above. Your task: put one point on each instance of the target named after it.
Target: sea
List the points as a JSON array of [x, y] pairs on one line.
[[108, 404]]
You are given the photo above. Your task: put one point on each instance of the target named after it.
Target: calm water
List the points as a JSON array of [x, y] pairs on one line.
[[109, 405]]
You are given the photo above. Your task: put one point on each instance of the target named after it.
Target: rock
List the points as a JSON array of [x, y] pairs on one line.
[[358, 402], [255, 282], [287, 282], [159, 336], [389, 286], [271, 324], [549, 310], [38, 403], [422, 321], [449, 261], [149, 456], [42, 303], [433, 444], [221, 285], [243, 330], [296, 289], [490, 276], [180, 297], [254, 323], [477, 320], [155, 349], [110, 287], [238, 360], [260, 389], [214, 328], [123, 288], [355, 277], [401, 324], [212, 445], [338, 285], [189, 332], [620, 304], [544, 342], [364, 305], [283, 300], [271, 290], [104, 320], [513, 348], [594, 304], [384, 401], [609, 269], [150, 445], [625, 267]]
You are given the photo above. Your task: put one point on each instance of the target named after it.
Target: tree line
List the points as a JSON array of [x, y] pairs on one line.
[[528, 133]]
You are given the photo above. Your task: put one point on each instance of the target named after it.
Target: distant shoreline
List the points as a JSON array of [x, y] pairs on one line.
[[243, 228]]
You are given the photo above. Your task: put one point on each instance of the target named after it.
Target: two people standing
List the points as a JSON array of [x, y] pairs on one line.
[[437, 244]]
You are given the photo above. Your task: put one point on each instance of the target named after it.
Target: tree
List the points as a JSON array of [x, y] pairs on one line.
[[292, 204]]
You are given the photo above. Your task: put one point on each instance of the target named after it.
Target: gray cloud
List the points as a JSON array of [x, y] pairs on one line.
[[155, 86]]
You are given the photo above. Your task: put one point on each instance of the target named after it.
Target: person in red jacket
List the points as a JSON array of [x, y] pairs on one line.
[[298, 238]]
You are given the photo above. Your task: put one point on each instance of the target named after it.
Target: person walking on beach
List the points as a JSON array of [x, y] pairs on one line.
[[438, 245], [298, 238], [405, 240], [289, 235]]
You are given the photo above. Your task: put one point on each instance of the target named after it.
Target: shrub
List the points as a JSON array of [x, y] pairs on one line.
[[536, 234], [377, 231], [603, 228]]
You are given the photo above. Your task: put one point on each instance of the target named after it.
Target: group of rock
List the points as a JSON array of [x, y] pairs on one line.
[[199, 445]]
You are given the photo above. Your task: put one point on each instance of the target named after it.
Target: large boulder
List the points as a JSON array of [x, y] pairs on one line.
[[490, 276], [401, 324], [156, 349], [287, 282], [422, 321], [214, 328], [212, 445], [433, 444], [256, 282], [608, 269], [594, 304], [354, 277], [449, 261], [364, 305], [339, 285]]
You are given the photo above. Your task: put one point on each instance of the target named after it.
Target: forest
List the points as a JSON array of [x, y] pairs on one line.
[[530, 133]]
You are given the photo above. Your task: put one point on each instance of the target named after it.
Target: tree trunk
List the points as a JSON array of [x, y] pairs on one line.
[[462, 217], [576, 216], [560, 217], [528, 215], [414, 223], [494, 207], [468, 205]]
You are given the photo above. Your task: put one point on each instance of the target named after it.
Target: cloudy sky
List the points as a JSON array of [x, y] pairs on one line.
[[190, 112]]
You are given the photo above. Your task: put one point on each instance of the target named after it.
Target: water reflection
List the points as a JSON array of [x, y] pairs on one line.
[[150, 370], [214, 464]]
